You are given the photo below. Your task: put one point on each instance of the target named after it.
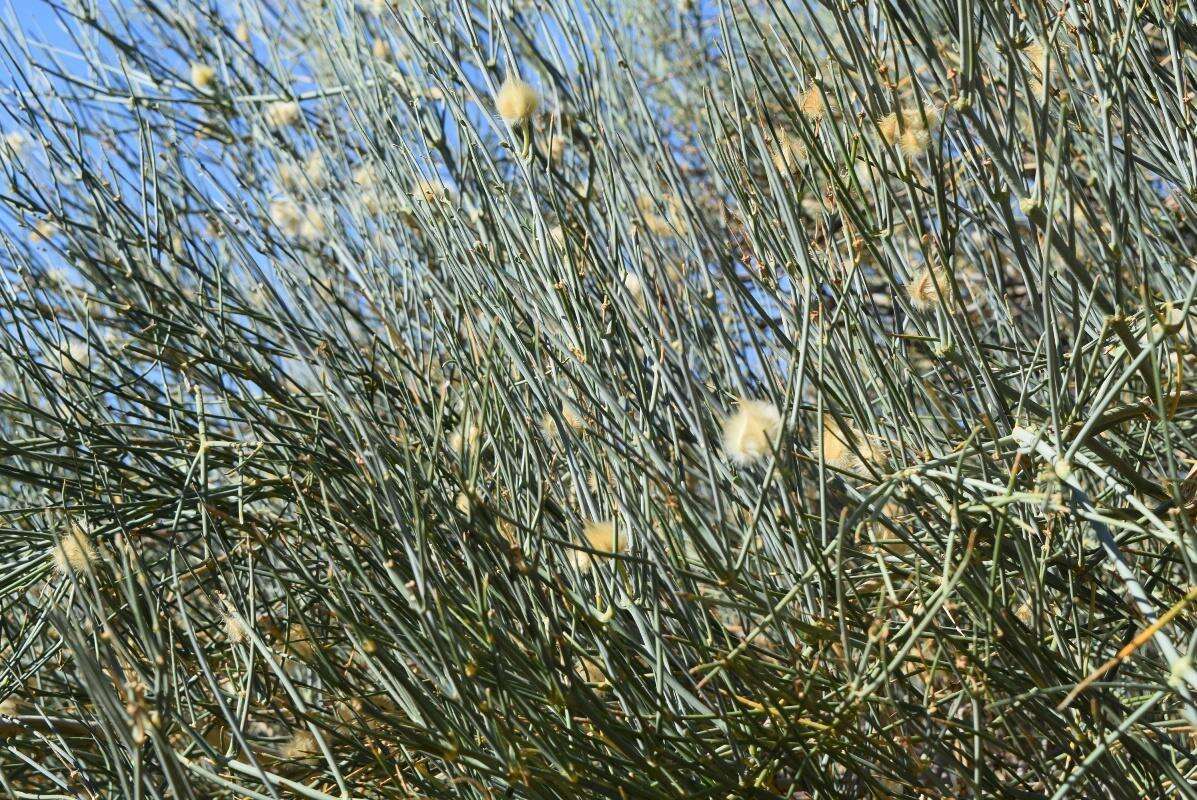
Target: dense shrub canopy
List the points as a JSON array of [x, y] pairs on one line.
[[598, 399]]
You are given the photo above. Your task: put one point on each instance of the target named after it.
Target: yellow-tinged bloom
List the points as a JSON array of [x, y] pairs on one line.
[[203, 76], [313, 228], [657, 224], [516, 101], [812, 104], [837, 446], [591, 672], [556, 148], [634, 287], [789, 153], [234, 628], [464, 437], [288, 216], [1036, 54], [15, 142], [911, 132], [433, 192], [43, 231], [836, 450], [752, 432], [572, 416], [302, 746], [74, 358], [926, 289], [915, 142], [283, 114], [74, 551], [365, 175], [316, 169], [600, 535]]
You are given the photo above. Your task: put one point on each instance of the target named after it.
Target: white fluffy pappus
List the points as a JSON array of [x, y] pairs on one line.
[[752, 432], [74, 551], [283, 114], [600, 535], [203, 76], [516, 101]]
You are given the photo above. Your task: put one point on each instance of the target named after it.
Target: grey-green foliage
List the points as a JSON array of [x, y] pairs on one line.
[[339, 376]]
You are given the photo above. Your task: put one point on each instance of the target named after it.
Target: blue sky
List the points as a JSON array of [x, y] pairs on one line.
[[37, 19]]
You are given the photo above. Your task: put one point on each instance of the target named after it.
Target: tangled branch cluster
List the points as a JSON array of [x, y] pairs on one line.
[[598, 399]]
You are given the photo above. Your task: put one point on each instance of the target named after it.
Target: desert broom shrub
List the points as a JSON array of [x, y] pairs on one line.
[[782, 399]]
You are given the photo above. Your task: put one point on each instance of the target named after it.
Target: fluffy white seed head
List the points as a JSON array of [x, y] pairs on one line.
[[911, 130], [302, 746], [812, 104], [634, 287], [203, 76], [789, 153], [74, 551], [14, 145], [315, 168], [1178, 669], [283, 114], [516, 101], [836, 450], [365, 175], [600, 535], [751, 433], [313, 228], [464, 438], [73, 358], [848, 448], [926, 289], [572, 416], [234, 628], [556, 148], [288, 216]]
